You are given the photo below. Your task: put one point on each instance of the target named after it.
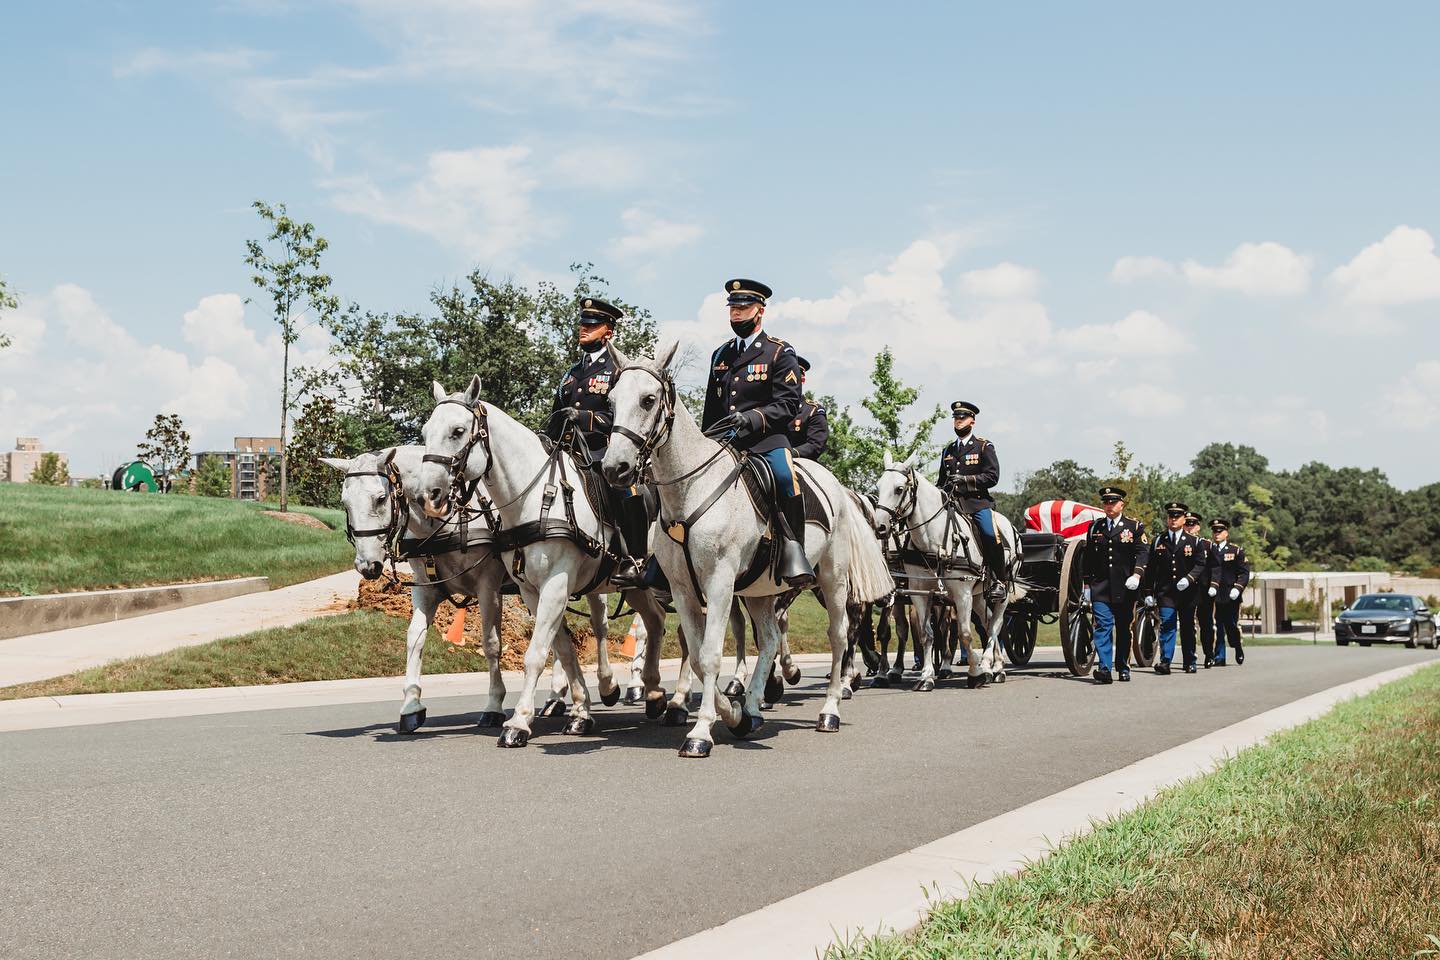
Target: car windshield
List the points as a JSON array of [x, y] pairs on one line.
[[1383, 602]]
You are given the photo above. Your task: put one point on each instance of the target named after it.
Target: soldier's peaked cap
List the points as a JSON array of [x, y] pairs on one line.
[[1111, 493], [741, 291], [804, 364], [1192, 518], [1218, 524], [1175, 506], [964, 408], [595, 310]]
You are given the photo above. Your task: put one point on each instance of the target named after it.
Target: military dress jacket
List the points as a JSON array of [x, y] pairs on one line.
[[585, 389], [968, 469], [1207, 574], [809, 431], [1172, 561], [1231, 570], [762, 382], [1112, 556]]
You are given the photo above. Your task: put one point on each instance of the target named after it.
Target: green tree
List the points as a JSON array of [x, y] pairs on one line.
[[319, 432], [166, 447], [1222, 474], [519, 340], [213, 477], [8, 301], [289, 271], [1254, 530], [1061, 480], [855, 453], [51, 471]]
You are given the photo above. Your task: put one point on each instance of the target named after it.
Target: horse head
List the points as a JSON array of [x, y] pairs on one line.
[[894, 493], [374, 507], [643, 408], [457, 445]]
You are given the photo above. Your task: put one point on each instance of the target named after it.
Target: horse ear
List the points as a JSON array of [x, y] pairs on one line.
[[668, 357], [909, 463], [889, 460], [438, 390], [336, 463], [616, 357], [472, 392], [389, 457]]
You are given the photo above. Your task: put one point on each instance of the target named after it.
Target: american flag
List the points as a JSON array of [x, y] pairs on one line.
[[1066, 517]]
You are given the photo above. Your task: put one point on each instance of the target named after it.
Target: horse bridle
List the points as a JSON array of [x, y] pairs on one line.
[[911, 491], [479, 433], [395, 497], [645, 446]]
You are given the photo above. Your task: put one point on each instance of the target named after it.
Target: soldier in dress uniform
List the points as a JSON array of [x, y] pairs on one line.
[[583, 399], [1172, 579], [1116, 551], [969, 467], [1204, 606], [1231, 574], [810, 428], [752, 396]]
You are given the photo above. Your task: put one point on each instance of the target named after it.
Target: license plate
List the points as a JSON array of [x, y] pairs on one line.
[[1368, 628]]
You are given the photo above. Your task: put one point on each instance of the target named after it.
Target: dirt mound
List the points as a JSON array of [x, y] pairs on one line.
[[516, 624], [303, 519]]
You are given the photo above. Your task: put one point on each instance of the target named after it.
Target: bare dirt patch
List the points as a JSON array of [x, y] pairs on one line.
[[303, 519], [516, 624]]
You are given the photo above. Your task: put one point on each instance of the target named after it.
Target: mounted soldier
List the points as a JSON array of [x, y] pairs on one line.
[[1175, 568], [810, 429], [582, 405], [1117, 549], [969, 468], [752, 396], [1231, 574]]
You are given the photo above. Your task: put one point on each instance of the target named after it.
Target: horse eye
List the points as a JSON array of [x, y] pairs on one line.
[[380, 500], [456, 433], [647, 401]]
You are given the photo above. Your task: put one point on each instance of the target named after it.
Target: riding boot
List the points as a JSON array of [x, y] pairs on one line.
[[634, 523], [994, 568], [795, 567]]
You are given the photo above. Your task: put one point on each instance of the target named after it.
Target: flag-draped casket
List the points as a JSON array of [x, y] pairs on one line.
[[1066, 518]]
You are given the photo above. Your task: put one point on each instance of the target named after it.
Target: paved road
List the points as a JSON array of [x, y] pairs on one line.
[[320, 832]]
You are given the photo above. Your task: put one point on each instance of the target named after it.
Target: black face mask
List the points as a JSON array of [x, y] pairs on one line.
[[963, 432], [743, 328]]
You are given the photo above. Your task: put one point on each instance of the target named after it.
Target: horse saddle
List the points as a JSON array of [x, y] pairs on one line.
[[759, 480]]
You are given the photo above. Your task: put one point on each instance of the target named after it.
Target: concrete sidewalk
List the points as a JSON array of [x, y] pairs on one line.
[[40, 656]]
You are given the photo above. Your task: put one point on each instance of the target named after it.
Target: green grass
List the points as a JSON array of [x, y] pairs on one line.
[[59, 539], [1324, 843]]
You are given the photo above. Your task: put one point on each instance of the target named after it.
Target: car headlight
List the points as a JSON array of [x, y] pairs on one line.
[[1339, 623], [1401, 626]]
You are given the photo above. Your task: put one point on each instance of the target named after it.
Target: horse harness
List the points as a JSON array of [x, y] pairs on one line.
[[955, 534]]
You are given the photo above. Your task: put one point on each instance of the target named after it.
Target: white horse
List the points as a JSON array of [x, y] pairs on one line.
[[944, 555], [535, 494], [712, 533]]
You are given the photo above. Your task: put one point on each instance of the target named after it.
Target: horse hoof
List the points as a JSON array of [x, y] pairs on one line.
[[977, 680], [828, 723], [734, 689], [654, 709], [611, 698], [552, 708], [793, 675], [893, 676], [845, 693], [410, 722], [774, 689], [490, 719], [1000, 678], [944, 673], [695, 749], [676, 717], [513, 737], [881, 681], [748, 724], [580, 727], [633, 696], [923, 686]]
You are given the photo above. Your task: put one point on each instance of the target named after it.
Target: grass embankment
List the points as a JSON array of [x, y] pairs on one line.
[[1323, 843], [59, 539], [365, 643]]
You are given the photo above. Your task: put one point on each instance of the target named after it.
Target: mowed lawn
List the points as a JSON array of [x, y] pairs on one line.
[[55, 539], [1323, 843]]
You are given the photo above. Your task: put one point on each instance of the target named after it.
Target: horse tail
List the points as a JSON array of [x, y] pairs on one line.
[[870, 578]]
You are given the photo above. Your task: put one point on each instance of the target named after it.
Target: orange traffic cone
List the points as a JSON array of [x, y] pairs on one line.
[[456, 633], [627, 646]]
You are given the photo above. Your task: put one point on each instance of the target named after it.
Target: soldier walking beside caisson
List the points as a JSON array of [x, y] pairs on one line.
[[1202, 605], [1171, 578], [1116, 551], [1231, 574]]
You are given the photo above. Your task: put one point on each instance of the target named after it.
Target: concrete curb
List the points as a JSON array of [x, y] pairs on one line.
[[40, 713], [895, 894], [22, 616]]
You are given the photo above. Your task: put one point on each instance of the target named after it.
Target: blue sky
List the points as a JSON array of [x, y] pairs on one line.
[[1164, 226]]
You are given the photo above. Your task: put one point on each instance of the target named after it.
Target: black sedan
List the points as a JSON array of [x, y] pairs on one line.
[[1386, 617]]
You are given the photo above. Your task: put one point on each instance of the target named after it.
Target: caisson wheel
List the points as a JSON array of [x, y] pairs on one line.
[[1077, 632]]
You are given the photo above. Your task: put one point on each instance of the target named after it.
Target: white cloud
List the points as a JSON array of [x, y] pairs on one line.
[[1259, 269], [1131, 269], [477, 201], [1005, 281], [597, 166], [647, 235], [155, 60], [1413, 403], [1402, 268], [25, 329], [1140, 332], [1147, 401]]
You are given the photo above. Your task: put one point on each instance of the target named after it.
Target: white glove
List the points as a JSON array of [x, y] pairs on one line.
[[1182, 584], [1211, 591], [1149, 601], [1087, 594], [1234, 593], [1133, 582]]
